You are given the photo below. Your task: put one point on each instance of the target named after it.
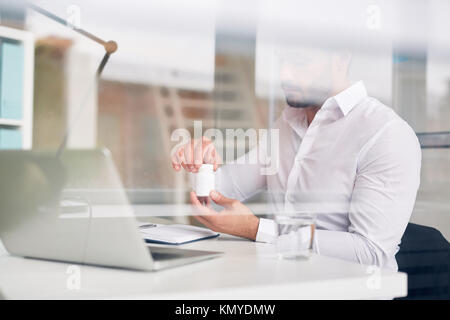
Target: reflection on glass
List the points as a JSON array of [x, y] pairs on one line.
[[231, 66]]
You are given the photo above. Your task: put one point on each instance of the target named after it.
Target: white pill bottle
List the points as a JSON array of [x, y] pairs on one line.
[[204, 181]]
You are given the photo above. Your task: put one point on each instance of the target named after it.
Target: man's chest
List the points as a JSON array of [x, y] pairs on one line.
[[323, 161]]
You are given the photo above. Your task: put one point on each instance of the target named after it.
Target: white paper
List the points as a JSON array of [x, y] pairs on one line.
[[175, 233]]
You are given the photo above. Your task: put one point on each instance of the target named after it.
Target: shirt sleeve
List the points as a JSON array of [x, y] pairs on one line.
[[246, 176], [240, 180]]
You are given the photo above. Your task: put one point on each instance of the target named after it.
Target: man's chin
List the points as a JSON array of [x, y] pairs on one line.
[[300, 104]]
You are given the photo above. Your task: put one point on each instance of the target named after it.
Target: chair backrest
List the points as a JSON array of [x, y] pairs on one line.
[[425, 256]]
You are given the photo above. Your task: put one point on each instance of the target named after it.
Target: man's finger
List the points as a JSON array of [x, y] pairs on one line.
[[221, 200], [198, 154], [217, 160], [208, 202], [189, 155], [208, 154], [175, 163], [205, 222], [182, 160], [199, 207], [194, 199]]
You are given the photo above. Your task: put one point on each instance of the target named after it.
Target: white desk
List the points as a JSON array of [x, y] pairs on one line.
[[248, 270]]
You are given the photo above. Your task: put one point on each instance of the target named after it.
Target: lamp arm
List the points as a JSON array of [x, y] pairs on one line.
[[110, 46]]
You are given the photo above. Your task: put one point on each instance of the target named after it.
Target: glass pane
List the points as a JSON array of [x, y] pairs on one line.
[[283, 92]]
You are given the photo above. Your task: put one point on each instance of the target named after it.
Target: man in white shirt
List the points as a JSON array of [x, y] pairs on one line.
[[343, 155]]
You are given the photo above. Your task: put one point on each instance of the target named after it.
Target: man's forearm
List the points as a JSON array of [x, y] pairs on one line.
[[348, 246], [253, 228]]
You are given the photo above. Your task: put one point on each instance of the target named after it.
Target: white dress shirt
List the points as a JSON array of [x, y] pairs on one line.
[[356, 166]]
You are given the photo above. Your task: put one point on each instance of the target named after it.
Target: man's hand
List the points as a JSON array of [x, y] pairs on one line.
[[236, 218], [193, 154]]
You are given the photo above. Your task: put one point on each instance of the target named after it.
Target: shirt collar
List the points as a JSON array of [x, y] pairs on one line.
[[346, 100], [350, 97], [296, 118]]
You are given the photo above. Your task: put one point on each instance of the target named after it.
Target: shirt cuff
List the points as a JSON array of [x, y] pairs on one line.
[[305, 237], [267, 231], [315, 244]]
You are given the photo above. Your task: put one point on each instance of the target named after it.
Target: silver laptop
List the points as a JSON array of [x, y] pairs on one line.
[[35, 189]]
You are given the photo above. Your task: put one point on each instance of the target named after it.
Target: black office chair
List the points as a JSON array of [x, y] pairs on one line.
[[425, 256]]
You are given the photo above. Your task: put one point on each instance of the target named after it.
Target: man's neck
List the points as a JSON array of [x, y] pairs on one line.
[[311, 113]]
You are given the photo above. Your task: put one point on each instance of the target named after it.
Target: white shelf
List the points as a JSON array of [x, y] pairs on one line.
[[26, 123], [11, 122]]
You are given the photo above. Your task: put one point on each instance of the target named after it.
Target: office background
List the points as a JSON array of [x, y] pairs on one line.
[[214, 61]]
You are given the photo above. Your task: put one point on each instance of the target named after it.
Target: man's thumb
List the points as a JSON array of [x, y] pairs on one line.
[[220, 199]]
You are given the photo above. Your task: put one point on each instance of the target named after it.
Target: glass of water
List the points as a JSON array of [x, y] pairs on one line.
[[295, 235]]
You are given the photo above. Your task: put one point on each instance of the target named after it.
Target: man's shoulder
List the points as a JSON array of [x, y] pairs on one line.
[[372, 109], [380, 120], [372, 113], [375, 118]]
